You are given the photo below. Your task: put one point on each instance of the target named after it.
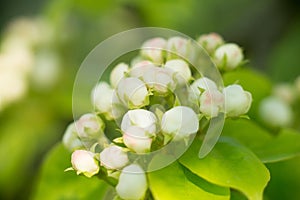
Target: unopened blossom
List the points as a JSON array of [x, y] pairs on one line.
[[286, 92], [137, 139], [181, 68], [177, 47], [118, 73], [140, 118], [83, 162], [200, 85], [210, 42], [237, 100], [90, 126], [275, 112], [228, 56], [153, 50], [70, 139], [138, 70], [180, 122], [102, 98], [132, 183], [211, 103], [133, 92], [113, 157]]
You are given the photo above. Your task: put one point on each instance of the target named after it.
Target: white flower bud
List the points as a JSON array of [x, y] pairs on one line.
[[85, 163], [102, 97], [177, 47], [180, 122], [113, 157], [140, 118], [228, 56], [159, 79], [285, 92], [132, 183], [237, 101], [275, 112], [133, 92], [118, 73], [90, 126], [70, 138], [211, 103], [153, 49], [201, 84], [210, 42], [181, 68], [138, 70], [137, 139]]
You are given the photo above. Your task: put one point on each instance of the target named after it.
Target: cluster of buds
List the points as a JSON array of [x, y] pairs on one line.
[[160, 72], [277, 109]]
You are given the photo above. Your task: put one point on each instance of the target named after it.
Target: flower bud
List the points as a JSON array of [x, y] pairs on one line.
[[70, 138], [132, 183], [89, 126], [285, 92], [177, 47], [140, 118], [153, 49], [237, 101], [118, 73], [180, 122], [200, 85], [113, 157], [138, 70], [137, 139], [210, 42], [102, 98], [133, 92], [211, 103], [85, 163], [181, 68], [159, 79], [228, 56], [275, 112]]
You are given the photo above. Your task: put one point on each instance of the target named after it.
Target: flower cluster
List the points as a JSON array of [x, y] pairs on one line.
[[142, 102]]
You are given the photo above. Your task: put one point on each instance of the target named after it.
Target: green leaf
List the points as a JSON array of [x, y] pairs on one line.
[[252, 81], [267, 147], [54, 183], [175, 182], [229, 164]]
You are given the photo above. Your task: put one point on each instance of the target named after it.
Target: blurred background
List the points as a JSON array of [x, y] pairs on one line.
[[43, 42]]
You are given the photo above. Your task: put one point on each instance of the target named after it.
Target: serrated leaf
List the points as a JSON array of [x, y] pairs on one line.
[[229, 164], [171, 183], [54, 183]]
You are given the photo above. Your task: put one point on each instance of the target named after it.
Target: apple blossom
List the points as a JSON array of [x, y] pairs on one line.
[[138, 70], [237, 101], [211, 103], [70, 139], [102, 98], [181, 68], [89, 126], [177, 47], [153, 50], [113, 157], [84, 163], [228, 56], [286, 92], [137, 139], [199, 86], [118, 73], [132, 183], [210, 41]]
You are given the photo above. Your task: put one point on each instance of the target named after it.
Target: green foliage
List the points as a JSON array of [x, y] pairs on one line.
[[54, 183], [229, 164]]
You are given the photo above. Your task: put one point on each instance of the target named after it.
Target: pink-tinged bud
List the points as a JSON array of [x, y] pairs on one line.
[[113, 157], [140, 118], [137, 139], [285, 92], [228, 56], [211, 103], [84, 163], [177, 47], [133, 92], [70, 138], [118, 73], [182, 70], [237, 101], [132, 183], [153, 50], [275, 112], [200, 85], [138, 70], [180, 122], [210, 42], [102, 98], [90, 126]]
